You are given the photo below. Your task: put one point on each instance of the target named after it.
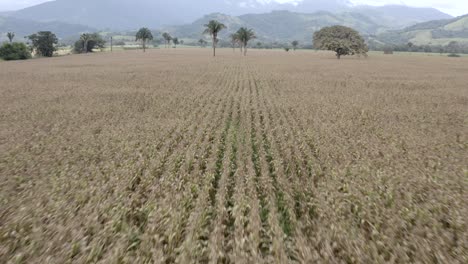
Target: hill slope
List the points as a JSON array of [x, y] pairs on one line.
[[438, 32], [399, 16], [124, 14], [23, 27], [281, 25]]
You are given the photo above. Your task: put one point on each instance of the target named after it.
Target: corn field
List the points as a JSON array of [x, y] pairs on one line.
[[178, 157]]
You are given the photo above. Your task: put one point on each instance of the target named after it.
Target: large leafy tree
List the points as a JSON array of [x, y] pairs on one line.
[[167, 38], [340, 39], [10, 36], [295, 43], [84, 39], [44, 43], [144, 35], [213, 28], [88, 42], [245, 35], [202, 43], [453, 47], [175, 41]]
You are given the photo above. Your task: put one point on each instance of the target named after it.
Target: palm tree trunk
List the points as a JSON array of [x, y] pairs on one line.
[[144, 46], [245, 49], [214, 47]]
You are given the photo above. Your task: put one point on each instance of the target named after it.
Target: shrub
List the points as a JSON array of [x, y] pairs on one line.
[[14, 51], [454, 55], [286, 49]]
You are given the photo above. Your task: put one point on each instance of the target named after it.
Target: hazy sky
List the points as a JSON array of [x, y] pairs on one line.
[[453, 7]]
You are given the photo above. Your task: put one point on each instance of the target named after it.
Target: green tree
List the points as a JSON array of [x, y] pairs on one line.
[[10, 36], [14, 51], [175, 41], [202, 43], [84, 39], [453, 47], [88, 42], [167, 39], [144, 35], [44, 43], [245, 35], [295, 43], [213, 28], [340, 39]]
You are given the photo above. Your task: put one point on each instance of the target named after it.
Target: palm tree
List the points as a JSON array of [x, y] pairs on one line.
[[213, 28], [11, 36], [245, 35], [234, 40], [85, 38], [167, 38], [144, 34]]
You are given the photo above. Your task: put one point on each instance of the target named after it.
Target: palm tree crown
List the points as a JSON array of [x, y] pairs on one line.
[[10, 36], [244, 35], [213, 28], [144, 34]]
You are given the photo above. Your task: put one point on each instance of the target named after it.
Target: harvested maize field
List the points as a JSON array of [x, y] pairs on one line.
[[173, 156]]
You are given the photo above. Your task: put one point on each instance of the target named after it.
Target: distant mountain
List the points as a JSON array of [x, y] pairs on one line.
[[6, 13], [400, 16], [437, 32], [125, 14], [279, 25], [23, 27]]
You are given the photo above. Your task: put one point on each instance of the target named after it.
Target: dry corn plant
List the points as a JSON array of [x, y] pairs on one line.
[[176, 157]]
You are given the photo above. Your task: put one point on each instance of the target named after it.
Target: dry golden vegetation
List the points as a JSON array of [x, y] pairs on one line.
[[173, 156]]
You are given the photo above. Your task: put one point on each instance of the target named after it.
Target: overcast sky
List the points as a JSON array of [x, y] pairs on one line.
[[453, 7]]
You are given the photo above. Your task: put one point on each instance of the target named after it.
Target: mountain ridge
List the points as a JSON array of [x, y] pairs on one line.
[[284, 25], [436, 32], [122, 14], [24, 27]]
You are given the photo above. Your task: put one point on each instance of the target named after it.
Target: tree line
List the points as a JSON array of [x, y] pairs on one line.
[[340, 39], [453, 47], [43, 43]]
